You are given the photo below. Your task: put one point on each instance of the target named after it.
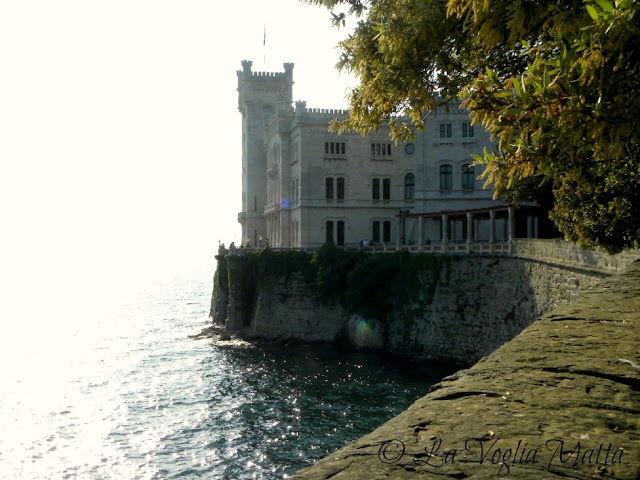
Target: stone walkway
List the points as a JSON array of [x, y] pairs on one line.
[[561, 400]]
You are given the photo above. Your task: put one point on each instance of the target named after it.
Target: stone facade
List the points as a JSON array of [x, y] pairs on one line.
[[303, 185]]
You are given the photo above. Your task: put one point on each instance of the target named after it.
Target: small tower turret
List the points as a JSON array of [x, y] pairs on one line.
[[246, 68], [288, 71]]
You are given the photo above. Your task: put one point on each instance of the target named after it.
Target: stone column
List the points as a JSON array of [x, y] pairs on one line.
[[469, 230], [535, 227], [445, 221], [492, 229], [399, 232], [421, 231], [529, 226], [511, 227]]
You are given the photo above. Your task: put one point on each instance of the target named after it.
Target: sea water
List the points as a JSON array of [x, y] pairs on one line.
[[126, 394]]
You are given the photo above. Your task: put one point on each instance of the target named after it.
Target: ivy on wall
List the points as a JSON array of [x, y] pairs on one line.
[[371, 285]]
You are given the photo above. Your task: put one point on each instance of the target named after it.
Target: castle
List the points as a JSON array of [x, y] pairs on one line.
[[303, 185]]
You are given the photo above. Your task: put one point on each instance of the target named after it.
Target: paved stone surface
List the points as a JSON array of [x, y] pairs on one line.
[[561, 400]]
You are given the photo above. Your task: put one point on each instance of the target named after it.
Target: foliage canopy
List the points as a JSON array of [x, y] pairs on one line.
[[555, 83]]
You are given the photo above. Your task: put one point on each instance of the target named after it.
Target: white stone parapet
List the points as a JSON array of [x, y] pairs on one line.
[[557, 252], [561, 252]]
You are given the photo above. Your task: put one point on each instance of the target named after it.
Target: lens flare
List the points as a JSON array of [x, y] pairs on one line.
[[362, 327]]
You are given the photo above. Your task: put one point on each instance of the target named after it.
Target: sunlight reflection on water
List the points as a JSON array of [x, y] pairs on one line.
[[128, 395]]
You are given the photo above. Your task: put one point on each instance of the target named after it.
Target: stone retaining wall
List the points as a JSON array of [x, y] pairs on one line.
[[561, 400], [479, 303], [560, 252], [476, 304]]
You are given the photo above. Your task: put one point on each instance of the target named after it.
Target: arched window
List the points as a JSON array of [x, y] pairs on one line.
[[445, 177], [329, 231], [340, 232], [386, 231], [409, 186], [468, 177], [329, 188], [375, 231], [375, 189], [340, 188]]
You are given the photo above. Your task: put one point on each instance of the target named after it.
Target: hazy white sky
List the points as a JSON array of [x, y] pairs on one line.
[[120, 134]]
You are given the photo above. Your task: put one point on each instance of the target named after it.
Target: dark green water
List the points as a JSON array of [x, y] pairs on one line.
[[286, 407]]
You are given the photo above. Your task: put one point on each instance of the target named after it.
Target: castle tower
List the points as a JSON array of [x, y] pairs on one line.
[[258, 96]]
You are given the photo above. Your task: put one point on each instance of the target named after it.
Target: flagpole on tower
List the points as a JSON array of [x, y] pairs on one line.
[[264, 46]]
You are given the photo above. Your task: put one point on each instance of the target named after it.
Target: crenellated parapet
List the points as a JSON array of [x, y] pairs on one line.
[[247, 74], [302, 112], [285, 110], [326, 111]]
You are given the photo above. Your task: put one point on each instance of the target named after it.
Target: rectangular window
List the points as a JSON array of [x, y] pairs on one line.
[[381, 149], [386, 232], [375, 231], [329, 188], [467, 130], [329, 231], [386, 189], [340, 188], [335, 148], [340, 233], [375, 189], [445, 130]]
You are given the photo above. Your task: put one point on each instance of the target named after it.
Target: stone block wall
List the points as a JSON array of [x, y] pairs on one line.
[[474, 305], [289, 310], [560, 252], [479, 303]]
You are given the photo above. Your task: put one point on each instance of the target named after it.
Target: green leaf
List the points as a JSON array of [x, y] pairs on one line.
[[545, 80], [516, 85], [592, 12], [605, 5]]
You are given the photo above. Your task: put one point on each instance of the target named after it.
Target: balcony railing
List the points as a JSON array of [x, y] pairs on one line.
[[504, 248]]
